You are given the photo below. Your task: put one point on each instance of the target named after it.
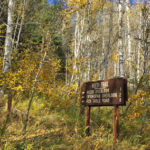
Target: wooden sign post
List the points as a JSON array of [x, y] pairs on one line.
[[87, 121], [112, 92], [116, 123]]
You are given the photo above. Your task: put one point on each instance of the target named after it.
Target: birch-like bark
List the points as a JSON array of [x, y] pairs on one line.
[[103, 50], [89, 58], [120, 39], [79, 51], [76, 46], [129, 40], [78, 41], [15, 31], [81, 46], [89, 39], [8, 39], [139, 48], [21, 24], [108, 44]]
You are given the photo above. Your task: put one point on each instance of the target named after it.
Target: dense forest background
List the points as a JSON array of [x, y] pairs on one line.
[[48, 50]]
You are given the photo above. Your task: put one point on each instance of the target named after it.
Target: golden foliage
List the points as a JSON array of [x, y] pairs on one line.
[[138, 101], [115, 57], [76, 3]]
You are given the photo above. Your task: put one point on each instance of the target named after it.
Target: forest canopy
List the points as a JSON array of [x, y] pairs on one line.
[[48, 49]]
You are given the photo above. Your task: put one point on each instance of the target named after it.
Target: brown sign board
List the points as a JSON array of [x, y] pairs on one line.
[[104, 92]]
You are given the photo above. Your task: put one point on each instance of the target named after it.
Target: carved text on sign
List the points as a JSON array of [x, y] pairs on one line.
[[104, 93]]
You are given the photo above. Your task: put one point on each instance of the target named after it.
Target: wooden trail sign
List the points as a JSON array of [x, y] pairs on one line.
[[104, 92], [111, 92]]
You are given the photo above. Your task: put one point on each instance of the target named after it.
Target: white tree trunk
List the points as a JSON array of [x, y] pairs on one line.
[[89, 39], [76, 47], [129, 40], [89, 57], [139, 49], [81, 46], [8, 39], [103, 55], [21, 24], [15, 31], [120, 40]]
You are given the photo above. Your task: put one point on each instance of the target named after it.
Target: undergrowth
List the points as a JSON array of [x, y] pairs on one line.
[[65, 130]]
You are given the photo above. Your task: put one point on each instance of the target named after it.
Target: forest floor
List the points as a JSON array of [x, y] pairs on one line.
[[65, 130]]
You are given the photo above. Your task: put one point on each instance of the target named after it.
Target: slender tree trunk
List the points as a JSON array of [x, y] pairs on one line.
[[66, 70], [139, 48], [120, 40], [76, 48], [89, 39], [8, 47], [128, 38], [15, 31], [103, 50], [80, 70], [89, 58], [9, 101], [21, 24], [33, 92], [8, 40]]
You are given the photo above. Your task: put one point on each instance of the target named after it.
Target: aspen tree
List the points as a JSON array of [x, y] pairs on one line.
[[76, 47], [8, 48], [139, 47], [128, 38], [120, 39], [21, 23], [8, 39], [89, 38]]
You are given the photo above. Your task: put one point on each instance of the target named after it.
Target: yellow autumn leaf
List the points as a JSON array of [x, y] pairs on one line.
[[18, 88], [115, 57]]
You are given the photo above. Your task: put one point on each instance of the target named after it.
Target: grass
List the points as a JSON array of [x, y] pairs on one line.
[[64, 130]]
